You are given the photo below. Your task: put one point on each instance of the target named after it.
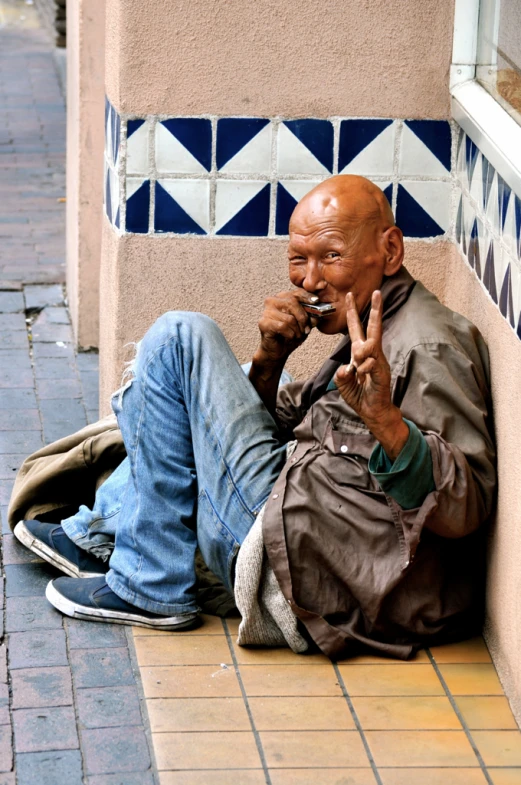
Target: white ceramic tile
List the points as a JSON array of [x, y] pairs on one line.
[[231, 196], [137, 151], [461, 166], [509, 229], [476, 185], [501, 261], [377, 158], [193, 196], [416, 158], [299, 188], [492, 211], [254, 157], [293, 157], [108, 136], [172, 156], [114, 192], [132, 184], [435, 198], [515, 273]]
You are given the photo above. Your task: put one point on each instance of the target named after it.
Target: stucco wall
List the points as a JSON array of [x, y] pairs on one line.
[[385, 58], [85, 143], [461, 290]]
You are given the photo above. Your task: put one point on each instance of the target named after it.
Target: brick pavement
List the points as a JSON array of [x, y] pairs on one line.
[[71, 709]]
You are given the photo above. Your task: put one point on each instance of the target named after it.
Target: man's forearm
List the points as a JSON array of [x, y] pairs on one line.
[[392, 433], [265, 377]]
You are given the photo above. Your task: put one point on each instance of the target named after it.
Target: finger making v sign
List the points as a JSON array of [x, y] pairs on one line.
[[365, 384]]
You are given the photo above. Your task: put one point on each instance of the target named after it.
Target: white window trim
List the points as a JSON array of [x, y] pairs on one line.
[[483, 119]]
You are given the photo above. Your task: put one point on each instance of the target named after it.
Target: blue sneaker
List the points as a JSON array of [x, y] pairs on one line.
[[92, 600], [50, 542]]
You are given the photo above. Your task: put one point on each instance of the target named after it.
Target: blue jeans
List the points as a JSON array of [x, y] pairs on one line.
[[202, 456]]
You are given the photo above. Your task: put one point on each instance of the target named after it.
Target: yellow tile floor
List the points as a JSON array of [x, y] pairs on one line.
[[225, 715]]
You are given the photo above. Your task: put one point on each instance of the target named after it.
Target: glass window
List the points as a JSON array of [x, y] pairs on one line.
[[499, 52]]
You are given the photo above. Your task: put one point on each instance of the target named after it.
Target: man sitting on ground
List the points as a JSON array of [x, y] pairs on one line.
[[373, 525]]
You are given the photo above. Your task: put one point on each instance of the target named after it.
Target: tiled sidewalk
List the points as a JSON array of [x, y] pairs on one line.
[[227, 715]]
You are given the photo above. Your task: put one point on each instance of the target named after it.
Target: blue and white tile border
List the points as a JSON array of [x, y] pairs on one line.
[[488, 228], [242, 176]]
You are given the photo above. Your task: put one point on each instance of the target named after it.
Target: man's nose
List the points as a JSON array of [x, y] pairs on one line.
[[313, 280]]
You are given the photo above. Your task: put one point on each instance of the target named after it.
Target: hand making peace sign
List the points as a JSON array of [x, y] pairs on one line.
[[365, 384]]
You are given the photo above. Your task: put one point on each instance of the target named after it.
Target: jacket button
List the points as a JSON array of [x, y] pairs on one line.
[[275, 496], [344, 448]]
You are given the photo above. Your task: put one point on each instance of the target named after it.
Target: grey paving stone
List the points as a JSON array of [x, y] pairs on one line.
[[108, 707], [141, 778], [6, 487], [15, 358], [24, 442], [61, 417], [49, 389], [40, 296], [100, 668], [95, 635], [13, 378], [28, 580], [87, 361], [8, 778], [6, 529], [6, 750], [37, 648], [11, 302], [57, 315], [5, 717], [45, 729], [53, 351], [14, 340], [3, 664], [23, 419], [49, 768], [46, 331], [24, 614], [55, 368], [9, 464], [4, 696], [41, 687], [13, 552], [18, 399], [115, 750], [13, 321], [92, 415]]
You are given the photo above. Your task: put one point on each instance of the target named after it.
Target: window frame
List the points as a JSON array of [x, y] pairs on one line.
[[484, 120]]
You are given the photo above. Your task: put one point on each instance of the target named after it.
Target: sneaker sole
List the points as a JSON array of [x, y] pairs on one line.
[[76, 611], [22, 533]]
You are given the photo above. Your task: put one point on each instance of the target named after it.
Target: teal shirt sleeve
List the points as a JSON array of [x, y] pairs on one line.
[[410, 478]]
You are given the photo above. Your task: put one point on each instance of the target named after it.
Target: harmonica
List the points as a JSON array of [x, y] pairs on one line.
[[318, 309]]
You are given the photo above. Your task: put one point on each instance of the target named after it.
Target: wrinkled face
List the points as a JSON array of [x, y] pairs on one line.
[[329, 258]]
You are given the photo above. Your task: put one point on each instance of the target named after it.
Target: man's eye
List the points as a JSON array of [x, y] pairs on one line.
[[297, 259], [332, 255]]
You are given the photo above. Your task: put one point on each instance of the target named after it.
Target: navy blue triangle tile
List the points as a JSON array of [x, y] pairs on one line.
[[519, 327], [488, 176], [254, 218], [489, 276], [117, 220], [504, 192], [108, 200], [412, 218], [195, 134], [471, 156], [116, 128], [355, 136], [505, 296], [388, 192], [518, 226], [138, 207], [435, 134], [233, 133], [285, 206], [132, 126], [107, 112], [169, 216], [473, 252], [317, 136]]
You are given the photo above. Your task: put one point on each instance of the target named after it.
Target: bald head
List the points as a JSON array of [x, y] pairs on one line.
[[350, 201]]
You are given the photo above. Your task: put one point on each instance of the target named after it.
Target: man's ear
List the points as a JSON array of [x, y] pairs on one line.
[[393, 250]]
